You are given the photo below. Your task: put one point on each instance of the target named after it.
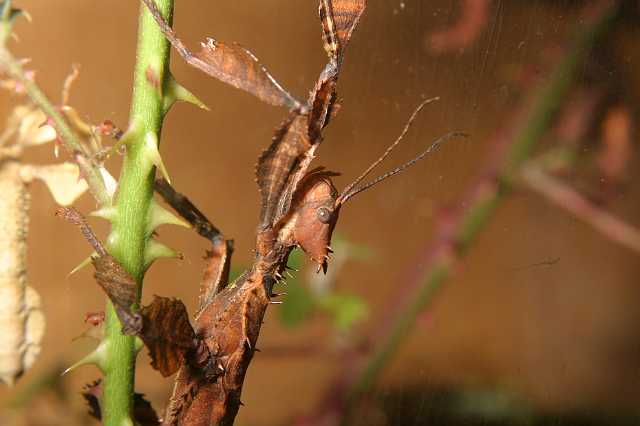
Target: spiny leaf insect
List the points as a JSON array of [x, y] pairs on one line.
[[299, 208]]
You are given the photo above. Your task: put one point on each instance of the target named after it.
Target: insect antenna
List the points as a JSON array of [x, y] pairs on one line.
[[352, 190], [406, 128]]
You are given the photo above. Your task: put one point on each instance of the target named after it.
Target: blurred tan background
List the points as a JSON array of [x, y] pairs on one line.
[[562, 336]]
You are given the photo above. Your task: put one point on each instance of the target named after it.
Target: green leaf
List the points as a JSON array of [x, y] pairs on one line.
[[354, 251], [345, 309], [296, 259], [235, 272], [298, 306], [299, 303]]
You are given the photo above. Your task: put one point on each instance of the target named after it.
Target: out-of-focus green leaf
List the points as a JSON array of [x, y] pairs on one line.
[[235, 272], [296, 260], [355, 251], [345, 309]]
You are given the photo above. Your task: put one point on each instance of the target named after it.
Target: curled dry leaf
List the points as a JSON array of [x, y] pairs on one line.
[[21, 319], [62, 180], [26, 127]]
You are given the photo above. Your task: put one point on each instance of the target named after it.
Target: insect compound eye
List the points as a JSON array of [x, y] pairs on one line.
[[324, 214]]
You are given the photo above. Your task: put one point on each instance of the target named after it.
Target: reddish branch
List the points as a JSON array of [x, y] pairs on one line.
[[466, 30], [563, 196]]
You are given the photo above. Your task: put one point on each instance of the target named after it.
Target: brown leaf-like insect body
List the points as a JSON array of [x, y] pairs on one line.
[[283, 165], [322, 101], [339, 18], [229, 326], [278, 163], [313, 217], [167, 333], [299, 208]]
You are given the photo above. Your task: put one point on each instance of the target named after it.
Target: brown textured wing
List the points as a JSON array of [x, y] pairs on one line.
[[279, 162], [235, 65], [339, 18]]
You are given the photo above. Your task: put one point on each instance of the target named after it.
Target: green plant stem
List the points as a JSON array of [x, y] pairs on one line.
[[130, 234], [67, 137], [481, 203]]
